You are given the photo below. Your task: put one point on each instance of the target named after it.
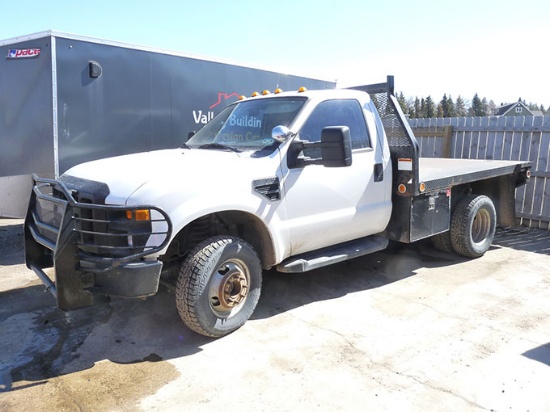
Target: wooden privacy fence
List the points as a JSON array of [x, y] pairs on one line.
[[499, 138]]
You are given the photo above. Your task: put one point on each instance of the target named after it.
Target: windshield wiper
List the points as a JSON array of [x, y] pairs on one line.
[[218, 146]]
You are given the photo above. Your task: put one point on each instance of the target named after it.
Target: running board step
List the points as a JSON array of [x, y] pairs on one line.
[[333, 254]]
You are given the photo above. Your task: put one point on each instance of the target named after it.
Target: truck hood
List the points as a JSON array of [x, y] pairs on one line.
[[124, 175]]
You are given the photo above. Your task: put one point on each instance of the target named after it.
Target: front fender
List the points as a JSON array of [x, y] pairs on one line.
[[184, 210]]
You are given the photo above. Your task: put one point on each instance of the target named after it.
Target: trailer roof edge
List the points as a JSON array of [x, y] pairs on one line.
[[115, 43], [26, 37]]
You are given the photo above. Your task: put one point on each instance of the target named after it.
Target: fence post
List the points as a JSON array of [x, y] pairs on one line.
[[447, 141]]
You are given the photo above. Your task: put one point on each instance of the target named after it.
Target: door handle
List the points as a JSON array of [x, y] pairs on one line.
[[378, 172]]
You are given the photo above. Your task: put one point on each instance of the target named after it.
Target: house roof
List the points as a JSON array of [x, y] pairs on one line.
[[505, 108]]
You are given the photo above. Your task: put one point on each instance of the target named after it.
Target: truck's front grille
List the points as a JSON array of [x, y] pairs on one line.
[[105, 235]]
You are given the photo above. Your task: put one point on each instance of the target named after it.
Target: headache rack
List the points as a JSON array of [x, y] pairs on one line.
[[401, 140], [75, 236]]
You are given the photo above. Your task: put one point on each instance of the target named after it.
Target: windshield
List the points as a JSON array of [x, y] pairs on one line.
[[247, 125]]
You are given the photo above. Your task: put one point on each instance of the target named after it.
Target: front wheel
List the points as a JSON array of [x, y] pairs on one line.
[[473, 226], [219, 286]]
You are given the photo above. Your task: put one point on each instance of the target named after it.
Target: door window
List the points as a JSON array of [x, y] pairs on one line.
[[336, 113]]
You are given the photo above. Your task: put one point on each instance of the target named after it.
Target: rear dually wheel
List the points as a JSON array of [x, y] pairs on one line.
[[473, 226]]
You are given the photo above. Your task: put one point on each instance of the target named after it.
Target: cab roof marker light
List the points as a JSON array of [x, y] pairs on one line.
[[242, 97], [278, 90], [302, 89], [255, 94], [266, 92]]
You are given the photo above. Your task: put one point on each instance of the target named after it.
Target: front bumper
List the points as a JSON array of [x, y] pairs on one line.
[[94, 249]]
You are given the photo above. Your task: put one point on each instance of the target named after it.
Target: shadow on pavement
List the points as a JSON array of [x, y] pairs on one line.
[[523, 238], [541, 354], [283, 292], [11, 243]]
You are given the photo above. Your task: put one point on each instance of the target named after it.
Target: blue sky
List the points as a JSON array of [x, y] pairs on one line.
[[498, 49]]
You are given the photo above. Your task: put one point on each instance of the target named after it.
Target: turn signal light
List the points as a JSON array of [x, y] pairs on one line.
[[140, 215]]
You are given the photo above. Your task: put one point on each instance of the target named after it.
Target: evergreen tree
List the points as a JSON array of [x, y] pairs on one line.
[[450, 108], [440, 110], [484, 107], [460, 107], [476, 109], [444, 103], [423, 112], [412, 113], [430, 107], [417, 112], [410, 107], [426, 107], [403, 103], [533, 106]]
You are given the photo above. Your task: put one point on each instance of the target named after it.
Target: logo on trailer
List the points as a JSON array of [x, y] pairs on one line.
[[204, 117], [224, 96], [23, 53]]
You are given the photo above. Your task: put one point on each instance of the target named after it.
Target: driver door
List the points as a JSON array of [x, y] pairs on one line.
[[330, 205]]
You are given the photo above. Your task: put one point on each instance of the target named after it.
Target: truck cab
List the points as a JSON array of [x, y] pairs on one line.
[[320, 202]]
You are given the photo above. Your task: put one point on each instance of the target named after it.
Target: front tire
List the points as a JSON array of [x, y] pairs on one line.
[[473, 226], [219, 286]]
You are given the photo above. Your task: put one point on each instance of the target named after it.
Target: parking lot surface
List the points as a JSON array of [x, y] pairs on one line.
[[409, 328]]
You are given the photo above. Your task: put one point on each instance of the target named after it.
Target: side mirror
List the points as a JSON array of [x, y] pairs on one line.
[[336, 146], [281, 133]]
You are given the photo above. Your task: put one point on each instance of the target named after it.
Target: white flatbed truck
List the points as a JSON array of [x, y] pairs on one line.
[[286, 180]]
